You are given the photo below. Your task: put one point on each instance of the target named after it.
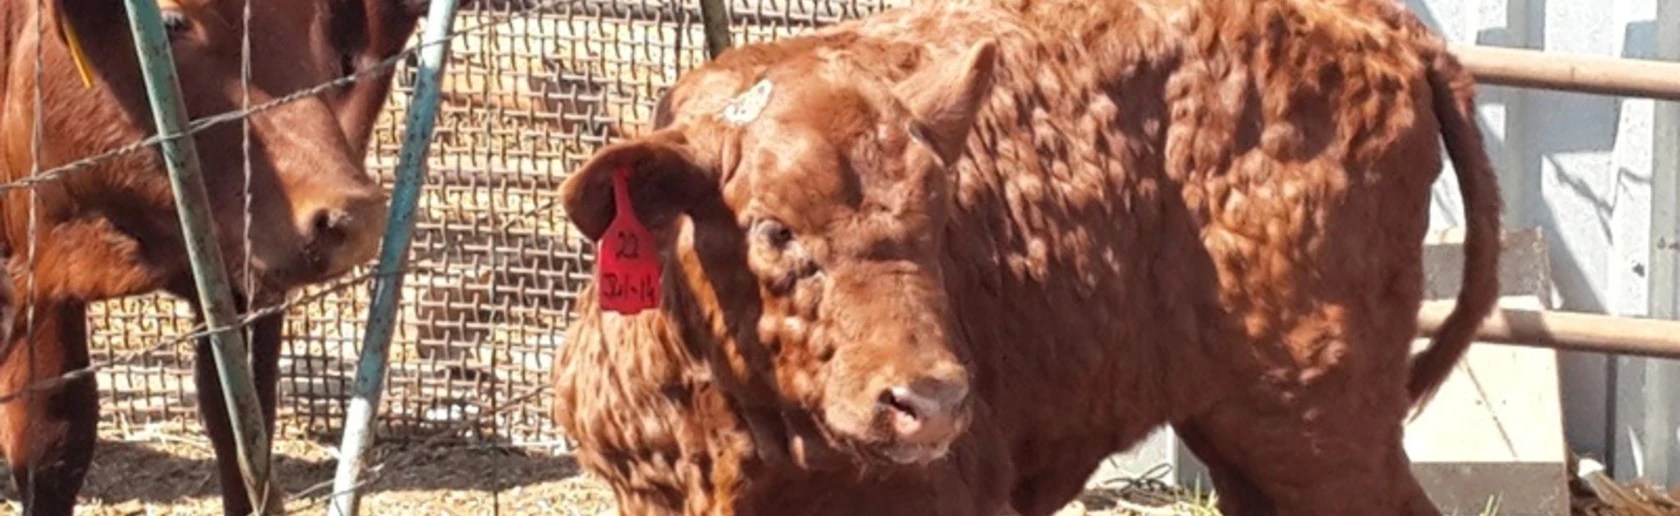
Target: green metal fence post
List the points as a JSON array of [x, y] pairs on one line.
[[714, 16], [192, 203], [393, 257]]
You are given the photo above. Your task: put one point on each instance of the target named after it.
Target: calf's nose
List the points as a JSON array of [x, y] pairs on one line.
[[328, 226], [345, 231], [927, 411]]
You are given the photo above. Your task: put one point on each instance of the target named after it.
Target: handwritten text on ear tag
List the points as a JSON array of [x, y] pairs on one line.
[[627, 264]]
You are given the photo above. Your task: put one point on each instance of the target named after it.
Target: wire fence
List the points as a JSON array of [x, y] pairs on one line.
[[532, 89]]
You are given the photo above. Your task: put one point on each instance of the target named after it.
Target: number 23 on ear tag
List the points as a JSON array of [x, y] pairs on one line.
[[627, 264]]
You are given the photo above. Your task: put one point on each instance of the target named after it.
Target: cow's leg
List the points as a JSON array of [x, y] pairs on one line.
[[49, 435], [1236, 492], [264, 342]]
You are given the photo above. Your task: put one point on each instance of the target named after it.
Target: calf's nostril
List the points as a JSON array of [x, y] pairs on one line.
[[327, 226], [925, 411], [903, 401], [926, 400]]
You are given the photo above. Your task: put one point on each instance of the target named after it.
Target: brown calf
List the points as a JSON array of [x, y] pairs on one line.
[[112, 231], [945, 259]]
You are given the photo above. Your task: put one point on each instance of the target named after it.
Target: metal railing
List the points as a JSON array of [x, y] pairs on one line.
[[1535, 69]]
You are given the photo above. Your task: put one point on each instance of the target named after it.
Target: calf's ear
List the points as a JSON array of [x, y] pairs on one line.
[[664, 180], [946, 97]]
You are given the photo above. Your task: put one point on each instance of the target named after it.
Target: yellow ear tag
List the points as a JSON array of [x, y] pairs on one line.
[[76, 52]]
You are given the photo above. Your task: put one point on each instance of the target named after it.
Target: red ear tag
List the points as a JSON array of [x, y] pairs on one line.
[[627, 264]]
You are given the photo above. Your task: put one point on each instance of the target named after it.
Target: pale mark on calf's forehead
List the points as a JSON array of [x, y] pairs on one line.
[[748, 105]]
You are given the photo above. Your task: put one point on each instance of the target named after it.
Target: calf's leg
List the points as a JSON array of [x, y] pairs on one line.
[[1330, 447], [264, 342], [48, 435], [1237, 493], [1045, 492]]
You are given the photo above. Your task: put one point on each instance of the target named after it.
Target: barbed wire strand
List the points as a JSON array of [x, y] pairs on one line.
[[245, 151], [487, 131], [308, 498], [375, 472], [202, 124], [40, 177], [36, 136], [200, 330], [314, 495]]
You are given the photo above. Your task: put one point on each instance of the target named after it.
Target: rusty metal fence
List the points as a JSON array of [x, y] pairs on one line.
[[532, 88]]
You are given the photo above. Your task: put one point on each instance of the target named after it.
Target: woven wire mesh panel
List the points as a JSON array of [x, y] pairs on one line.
[[143, 386], [532, 89]]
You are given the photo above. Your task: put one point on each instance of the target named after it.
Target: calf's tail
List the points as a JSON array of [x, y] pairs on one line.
[[1454, 105]]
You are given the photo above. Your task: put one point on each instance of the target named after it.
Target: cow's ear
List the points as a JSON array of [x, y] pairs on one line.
[[75, 22], [664, 180], [368, 31], [946, 96], [88, 14], [365, 33], [419, 7], [86, 29]]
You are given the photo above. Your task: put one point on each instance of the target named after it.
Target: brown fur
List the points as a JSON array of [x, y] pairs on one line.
[[1204, 214], [112, 230]]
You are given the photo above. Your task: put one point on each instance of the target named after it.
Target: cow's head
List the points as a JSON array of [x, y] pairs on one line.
[[314, 212], [802, 209]]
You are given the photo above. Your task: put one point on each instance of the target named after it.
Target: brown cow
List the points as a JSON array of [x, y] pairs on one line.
[[945, 259], [112, 230]]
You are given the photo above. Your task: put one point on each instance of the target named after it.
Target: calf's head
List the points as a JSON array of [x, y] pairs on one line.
[[314, 212], [801, 209]]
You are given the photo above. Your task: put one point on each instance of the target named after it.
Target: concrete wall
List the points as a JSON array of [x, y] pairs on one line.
[[1589, 170]]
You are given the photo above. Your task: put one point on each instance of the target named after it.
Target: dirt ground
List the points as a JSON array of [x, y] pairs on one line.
[[172, 477], [172, 473]]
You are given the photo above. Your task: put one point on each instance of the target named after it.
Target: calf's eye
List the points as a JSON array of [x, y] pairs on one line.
[[176, 23], [775, 234], [346, 65]]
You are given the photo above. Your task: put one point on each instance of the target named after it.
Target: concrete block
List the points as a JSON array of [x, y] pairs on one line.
[[1142, 461], [1495, 429]]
